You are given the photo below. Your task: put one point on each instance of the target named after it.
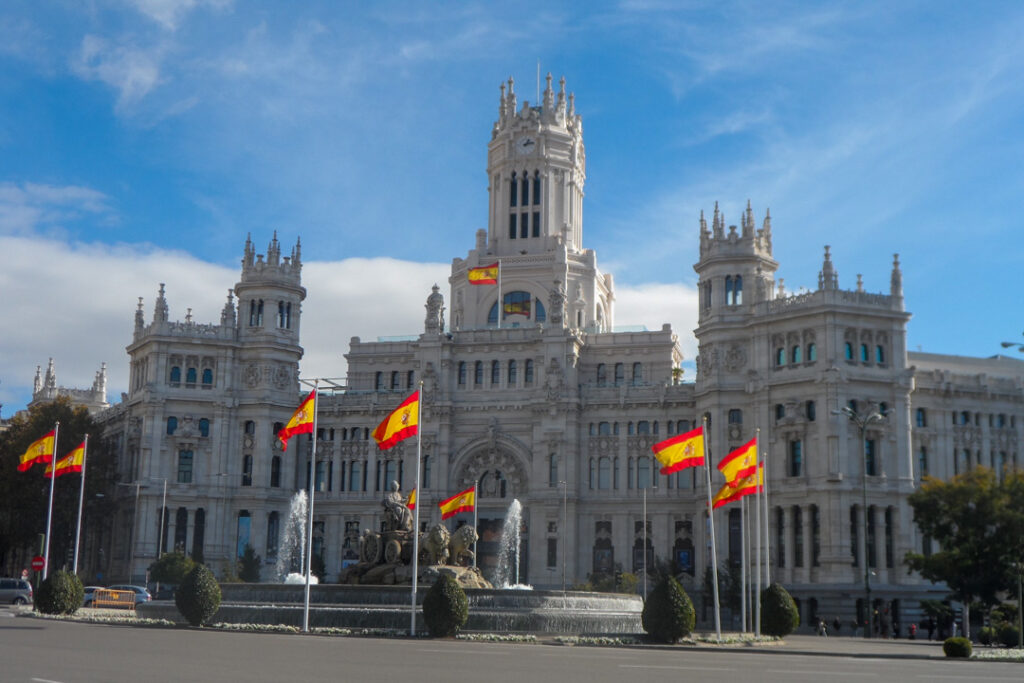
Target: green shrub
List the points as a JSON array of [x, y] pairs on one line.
[[61, 593], [1008, 634], [957, 647], [198, 596], [445, 608], [987, 635], [249, 565], [668, 612], [171, 568], [779, 616]]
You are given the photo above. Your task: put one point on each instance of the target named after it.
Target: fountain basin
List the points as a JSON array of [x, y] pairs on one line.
[[490, 610]]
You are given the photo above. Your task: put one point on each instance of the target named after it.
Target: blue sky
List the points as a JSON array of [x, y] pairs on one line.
[[141, 140]]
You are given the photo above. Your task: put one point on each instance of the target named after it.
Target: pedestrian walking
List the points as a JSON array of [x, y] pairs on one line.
[[836, 625]]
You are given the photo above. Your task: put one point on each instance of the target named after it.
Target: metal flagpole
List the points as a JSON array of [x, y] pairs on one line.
[[81, 497], [757, 508], [767, 535], [476, 519], [309, 512], [645, 544], [49, 514], [711, 519], [500, 306], [416, 512], [743, 563]]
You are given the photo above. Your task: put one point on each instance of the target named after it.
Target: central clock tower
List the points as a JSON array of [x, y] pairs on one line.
[[536, 168]]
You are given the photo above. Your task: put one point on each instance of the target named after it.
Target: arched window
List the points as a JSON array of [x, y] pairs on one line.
[[172, 425], [879, 355], [796, 355], [207, 376], [737, 290], [478, 373], [495, 373], [462, 373], [604, 473], [812, 352], [204, 427], [275, 471], [190, 376], [512, 379], [410, 379], [780, 356], [728, 290], [848, 351], [395, 382], [638, 373], [536, 188], [175, 375], [602, 375], [528, 372], [811, 410], [864, 353], [604, 428], [378, 380], [620, 374], [780, 411], [284, 315], [256, 313]]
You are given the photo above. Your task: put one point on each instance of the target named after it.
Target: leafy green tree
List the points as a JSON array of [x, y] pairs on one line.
[[249, 565], [445, 608], [171, 568], [978, 523], [198, 596], [24, 496], [668, 614]]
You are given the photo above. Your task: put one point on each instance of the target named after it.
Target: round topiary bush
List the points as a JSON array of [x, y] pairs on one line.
[[779, 616], [1008, 634], [957, 647], [61, 593], [987, 635], [668, 612], [198, 596], [445, 608]]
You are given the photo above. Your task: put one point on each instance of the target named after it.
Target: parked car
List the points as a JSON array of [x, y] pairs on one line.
[[15, 592], [87, 600], [141, 593]]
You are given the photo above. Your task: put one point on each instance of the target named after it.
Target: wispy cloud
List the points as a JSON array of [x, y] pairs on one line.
[[30, 208], [132, 71], [170, 13]]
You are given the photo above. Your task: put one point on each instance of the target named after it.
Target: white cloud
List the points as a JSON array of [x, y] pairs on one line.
[[30, 207], [170, 13], [132, 71]]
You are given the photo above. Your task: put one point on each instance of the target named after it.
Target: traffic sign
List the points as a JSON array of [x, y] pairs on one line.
[[38, 562]]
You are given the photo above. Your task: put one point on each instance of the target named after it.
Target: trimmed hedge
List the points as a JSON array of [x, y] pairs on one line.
[[445, 607], [61, 593], [779, 615], [957, 647], [668, 612], [1008, 634], [198, 596]]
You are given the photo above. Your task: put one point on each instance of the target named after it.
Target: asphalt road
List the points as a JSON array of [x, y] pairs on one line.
[[42, 651]]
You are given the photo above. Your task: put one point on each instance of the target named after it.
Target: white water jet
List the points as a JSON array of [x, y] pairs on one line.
[[296, 578], [292, 552], [507, 573]]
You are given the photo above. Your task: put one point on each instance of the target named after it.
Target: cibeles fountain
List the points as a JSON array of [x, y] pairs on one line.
[[375, 593]]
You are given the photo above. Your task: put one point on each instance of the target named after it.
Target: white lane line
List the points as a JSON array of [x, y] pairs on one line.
[[820, 673], [974, 678], [674, 668], [43, 680]]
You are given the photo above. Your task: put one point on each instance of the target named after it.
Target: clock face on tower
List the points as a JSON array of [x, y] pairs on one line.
[[525, 145]]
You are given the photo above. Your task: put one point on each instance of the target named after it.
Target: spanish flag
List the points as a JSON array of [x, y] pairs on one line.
[[681, 451], [402, 423], [301, 422], [411, 502], [41, 450], [517, 307], [739, 464], [484, 275], [460, 502], [72, 462], [730, 494]]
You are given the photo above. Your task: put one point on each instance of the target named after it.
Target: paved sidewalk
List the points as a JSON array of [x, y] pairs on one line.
[[839, 646]]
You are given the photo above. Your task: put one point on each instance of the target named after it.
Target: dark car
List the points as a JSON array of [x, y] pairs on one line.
[[15, 592]]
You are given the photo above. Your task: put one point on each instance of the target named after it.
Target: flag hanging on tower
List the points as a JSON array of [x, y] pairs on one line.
[[680, 451], [411, 502], [72, 462], [401, 423], [40, 450], [739, 464], [460, 502], [484, 275], [754, 483], [301, 422]]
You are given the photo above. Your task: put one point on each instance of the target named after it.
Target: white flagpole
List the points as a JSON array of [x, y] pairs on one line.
[[767, 524], [743, 563], [711, 519], [309, 515], [416, 512], [757, 562], [81, 497], [476, 519], [49, 514], [500, 305]]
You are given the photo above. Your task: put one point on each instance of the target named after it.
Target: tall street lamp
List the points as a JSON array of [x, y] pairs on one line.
[[863, 420]]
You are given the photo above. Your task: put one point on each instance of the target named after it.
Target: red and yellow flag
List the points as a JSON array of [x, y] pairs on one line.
[[680, 451], [40, 450], [739, 464], [744, 487], [301, 422], [484, 275], [72, 462], [402, 423], [460, 502], [517, 307], [411, 502]]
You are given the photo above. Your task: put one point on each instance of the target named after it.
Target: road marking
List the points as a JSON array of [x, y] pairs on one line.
[[819, 673], [43, 680], [674, 668], [978, 678]]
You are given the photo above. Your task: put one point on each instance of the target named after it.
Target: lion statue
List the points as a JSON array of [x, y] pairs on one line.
[[435, 544], [462, 539]]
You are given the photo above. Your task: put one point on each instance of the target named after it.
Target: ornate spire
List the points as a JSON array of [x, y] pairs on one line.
[[297, 252], [572, 104], [561, 96], [718, 223], [549, 97], [828, 278], [703, 224], [748, 221], [766, 230], [896, 281], [160, 313], [99, 384], [501, 104], [274, 251], [140, 320], [37, 383], [510, 100], [249, 253], [51, 376], [227, 314]]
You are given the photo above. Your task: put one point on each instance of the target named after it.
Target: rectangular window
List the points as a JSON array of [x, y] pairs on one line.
[[246, 470], [854, 537], [552, 553], [184, 467], [512, 226], [798, 536], [536, 223], [780, 536], [872, 559], [524, 225], [536, 189], [888, 539], [870, 458], [815, 536], [796, 458], [552, 470]]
